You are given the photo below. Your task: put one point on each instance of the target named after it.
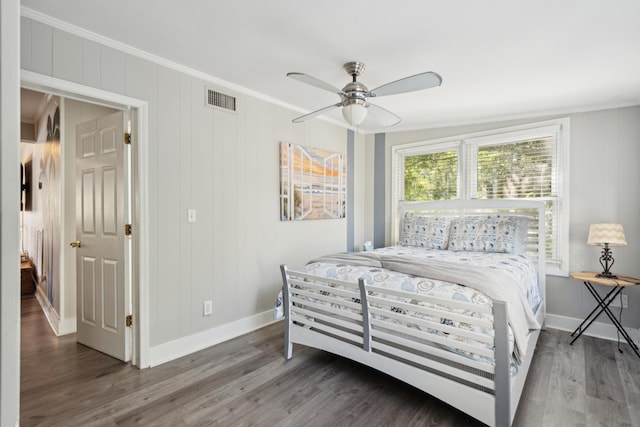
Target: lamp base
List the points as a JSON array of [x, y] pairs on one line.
[[606, 261], [606, 275]]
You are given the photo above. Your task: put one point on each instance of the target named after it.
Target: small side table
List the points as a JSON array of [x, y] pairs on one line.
[[590, 279], [27, 284]]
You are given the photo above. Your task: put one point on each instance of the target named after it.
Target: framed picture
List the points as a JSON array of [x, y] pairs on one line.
[[313, 183]]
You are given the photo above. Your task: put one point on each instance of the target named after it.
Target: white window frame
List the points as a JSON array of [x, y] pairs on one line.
[[467, 144]]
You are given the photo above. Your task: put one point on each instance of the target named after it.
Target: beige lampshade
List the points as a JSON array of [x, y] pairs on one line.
[[612, 234]]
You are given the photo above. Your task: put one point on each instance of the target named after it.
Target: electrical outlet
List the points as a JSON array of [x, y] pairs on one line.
[[617, 300], [208, 308]]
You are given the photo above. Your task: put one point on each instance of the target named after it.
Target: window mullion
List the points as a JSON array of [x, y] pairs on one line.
[[469, 179]]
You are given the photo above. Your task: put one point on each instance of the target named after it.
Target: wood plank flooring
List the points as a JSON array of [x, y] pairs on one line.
[[246, 382]]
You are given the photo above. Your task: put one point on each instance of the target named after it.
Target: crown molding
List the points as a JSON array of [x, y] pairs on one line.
[[139, 53]]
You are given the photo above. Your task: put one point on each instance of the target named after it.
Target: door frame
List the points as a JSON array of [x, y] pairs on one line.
[[140, 192]]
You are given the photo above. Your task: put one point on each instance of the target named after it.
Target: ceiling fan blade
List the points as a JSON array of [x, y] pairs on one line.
[[305, 78], [382, 116], [315, 113], [408, 84]]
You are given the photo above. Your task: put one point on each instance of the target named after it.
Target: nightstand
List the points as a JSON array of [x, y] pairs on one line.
[[27, 284], [590, 278]]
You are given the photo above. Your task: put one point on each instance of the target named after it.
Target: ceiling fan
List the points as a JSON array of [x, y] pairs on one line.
[[353, 97]]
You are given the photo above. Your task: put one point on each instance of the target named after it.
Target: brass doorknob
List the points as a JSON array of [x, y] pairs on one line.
[[76, 244]]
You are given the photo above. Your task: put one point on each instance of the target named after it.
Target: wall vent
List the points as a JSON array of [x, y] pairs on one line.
[[221, 100]]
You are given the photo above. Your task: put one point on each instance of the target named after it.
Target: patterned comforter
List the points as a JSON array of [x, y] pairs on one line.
[[518, 267]]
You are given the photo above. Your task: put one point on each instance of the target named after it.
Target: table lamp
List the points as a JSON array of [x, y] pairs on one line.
[[606, 235]]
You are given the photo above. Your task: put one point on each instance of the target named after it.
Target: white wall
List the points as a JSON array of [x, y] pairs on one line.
[[45, 203], [9, 225], [224, 165], [604, 183]]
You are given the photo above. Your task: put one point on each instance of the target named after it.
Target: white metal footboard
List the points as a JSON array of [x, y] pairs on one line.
[[394, 332]]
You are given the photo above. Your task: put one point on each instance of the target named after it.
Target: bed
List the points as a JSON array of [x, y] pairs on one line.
[[454, 309]]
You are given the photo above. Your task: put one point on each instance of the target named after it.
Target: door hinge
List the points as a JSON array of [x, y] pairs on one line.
[[127, 229], [128, 321], [127, 138]]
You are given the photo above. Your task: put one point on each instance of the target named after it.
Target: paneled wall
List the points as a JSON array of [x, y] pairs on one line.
[[222, 164]]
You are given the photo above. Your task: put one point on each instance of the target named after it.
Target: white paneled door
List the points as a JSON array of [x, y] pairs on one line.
[[102, 210]]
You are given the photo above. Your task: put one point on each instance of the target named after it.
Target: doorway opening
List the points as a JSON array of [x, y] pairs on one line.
[[80, 103]]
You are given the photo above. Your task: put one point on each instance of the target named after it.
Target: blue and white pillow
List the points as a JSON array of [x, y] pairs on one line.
[[406, 230], [497, 234], [463, 233], [493, 233], [424, 231]]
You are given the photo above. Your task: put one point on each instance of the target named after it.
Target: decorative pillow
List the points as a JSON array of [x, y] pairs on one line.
[[406, 230], [497, 234], [463, 233], [436, 232], [493, 233], [430, 232], [522, 233]]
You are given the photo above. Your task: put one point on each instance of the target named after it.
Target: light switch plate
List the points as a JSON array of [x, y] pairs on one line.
[[208, 308], [191, 215]]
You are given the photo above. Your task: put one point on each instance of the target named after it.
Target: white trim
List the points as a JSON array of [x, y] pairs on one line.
[[139, 53], [141, 301], [9, 193], [67, 89], [190, 344], [597, 329], [84, 93], [559, 112], [434, 146], [518, 133], [67, 326], [526, 128]]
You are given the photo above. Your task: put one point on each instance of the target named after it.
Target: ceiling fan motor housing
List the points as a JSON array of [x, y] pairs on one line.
[[355, 90]]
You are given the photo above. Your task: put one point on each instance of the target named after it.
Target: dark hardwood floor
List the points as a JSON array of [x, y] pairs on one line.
[[246, 382]]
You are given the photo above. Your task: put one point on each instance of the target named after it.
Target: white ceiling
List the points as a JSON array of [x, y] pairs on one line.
[[31, 104], [499, 59]]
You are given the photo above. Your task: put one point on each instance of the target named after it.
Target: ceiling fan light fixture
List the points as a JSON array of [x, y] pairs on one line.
[[353, 97], [354, 111]]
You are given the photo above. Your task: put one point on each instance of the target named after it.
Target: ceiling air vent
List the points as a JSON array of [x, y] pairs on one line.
[[221, 100]]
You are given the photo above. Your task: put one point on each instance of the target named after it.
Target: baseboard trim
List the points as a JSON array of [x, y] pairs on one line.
[[48, 310], [181, 347], [597, 329], [58, 326], [67, 326]]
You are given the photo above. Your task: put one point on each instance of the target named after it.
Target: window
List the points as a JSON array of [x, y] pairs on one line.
[[525, 162], [431, 176]]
